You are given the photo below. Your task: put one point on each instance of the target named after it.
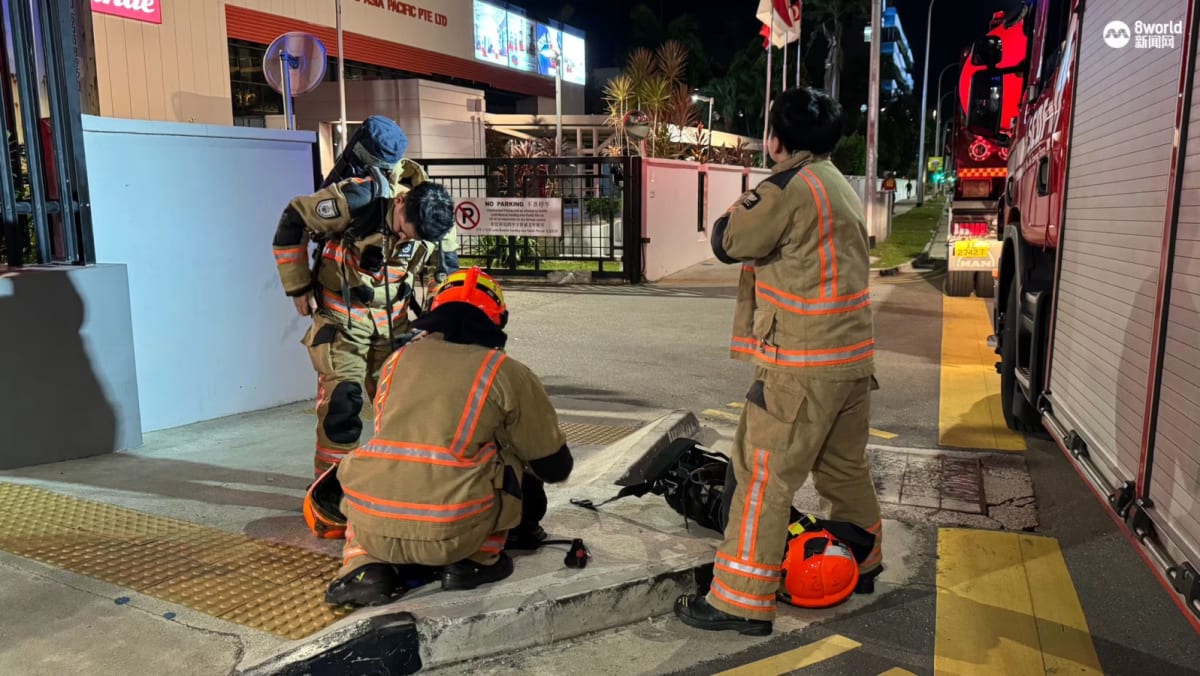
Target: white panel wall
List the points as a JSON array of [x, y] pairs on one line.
[[191, 210], [670, 214], [724, 188]]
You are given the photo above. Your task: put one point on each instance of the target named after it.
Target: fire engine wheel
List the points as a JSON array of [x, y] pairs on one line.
[[985, 284], [1019, 415], [959, 283]]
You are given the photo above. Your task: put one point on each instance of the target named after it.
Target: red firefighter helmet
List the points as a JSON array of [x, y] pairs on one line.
[[322, 511], [819, 571]]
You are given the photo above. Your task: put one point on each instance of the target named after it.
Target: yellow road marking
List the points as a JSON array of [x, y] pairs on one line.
[[736, 404], [724, 415], [882, 435], [969, 413], [1006, 605], [897, 671], [805, 656]]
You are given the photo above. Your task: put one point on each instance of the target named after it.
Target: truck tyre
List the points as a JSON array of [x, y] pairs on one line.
[[959, 283], [985, 284], [1019, 415]]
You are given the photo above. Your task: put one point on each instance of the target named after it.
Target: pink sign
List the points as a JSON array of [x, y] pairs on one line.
[[138, 10]]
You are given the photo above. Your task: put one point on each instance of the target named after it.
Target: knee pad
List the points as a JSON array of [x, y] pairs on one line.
[[342, 422]]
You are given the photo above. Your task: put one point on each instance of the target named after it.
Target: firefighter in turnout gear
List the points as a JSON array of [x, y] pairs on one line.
[[374, 236], [803, 317], [464, 435]]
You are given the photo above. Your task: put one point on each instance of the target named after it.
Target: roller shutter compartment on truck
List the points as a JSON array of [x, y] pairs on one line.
[[1173, 462], [1111, 241]]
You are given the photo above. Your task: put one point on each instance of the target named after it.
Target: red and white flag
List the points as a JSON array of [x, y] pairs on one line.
[[784, 29]]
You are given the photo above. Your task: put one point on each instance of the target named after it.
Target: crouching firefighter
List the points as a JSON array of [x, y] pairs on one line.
[[464, 435], [375, 236], [803, 317]]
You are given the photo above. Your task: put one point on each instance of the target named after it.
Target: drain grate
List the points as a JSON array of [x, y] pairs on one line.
[[268, 586], [586, 433]]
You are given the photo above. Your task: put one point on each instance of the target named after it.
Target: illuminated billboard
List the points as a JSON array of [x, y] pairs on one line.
[[491, 33], [574, 59], [504, 36], [522, 38]]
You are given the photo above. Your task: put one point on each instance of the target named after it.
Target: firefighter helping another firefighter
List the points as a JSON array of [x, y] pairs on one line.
[[462, 436]]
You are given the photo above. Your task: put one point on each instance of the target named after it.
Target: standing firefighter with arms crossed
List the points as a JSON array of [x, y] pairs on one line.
[[375, 235], [804, 319]]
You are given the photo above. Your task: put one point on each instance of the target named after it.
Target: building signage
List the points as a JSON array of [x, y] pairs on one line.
[[509, 216], [409, 9], [149, 11]]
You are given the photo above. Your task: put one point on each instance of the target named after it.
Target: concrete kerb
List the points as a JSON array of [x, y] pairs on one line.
[[642, 560], [922, 261]]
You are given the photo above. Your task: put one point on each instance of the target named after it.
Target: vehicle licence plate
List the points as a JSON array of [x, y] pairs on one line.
[[971, 250]]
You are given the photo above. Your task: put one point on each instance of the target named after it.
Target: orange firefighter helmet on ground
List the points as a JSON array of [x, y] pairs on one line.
[[322, 506], [819, 571]]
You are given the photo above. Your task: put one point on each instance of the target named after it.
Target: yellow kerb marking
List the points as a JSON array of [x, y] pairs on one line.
[[1006, 604], [723, 415], [882, 435], [792, 660], [970, 415], [897, 671]]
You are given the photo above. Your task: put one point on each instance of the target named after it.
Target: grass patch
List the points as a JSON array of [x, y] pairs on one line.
[[593, 266], [911, 233]]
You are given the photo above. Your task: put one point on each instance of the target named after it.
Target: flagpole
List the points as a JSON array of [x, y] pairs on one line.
[[783, 71], [799, 42], [767, 102]]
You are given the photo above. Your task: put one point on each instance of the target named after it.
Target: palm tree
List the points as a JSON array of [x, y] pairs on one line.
[[831, 16]]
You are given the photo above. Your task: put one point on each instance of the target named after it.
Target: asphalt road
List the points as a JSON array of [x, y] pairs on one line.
[[665, 346]]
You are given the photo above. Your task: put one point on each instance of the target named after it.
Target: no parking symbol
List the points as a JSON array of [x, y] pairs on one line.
[[467, 215]]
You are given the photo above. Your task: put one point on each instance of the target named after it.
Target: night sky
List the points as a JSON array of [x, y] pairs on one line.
[[728, 26]]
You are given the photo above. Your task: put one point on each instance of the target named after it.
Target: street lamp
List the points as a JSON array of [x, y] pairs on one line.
[[557, 51], [924, 105], [709, 100]]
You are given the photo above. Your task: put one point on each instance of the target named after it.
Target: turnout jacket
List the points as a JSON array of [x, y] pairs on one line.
[[354, 259], [804, 302], [455, 426]]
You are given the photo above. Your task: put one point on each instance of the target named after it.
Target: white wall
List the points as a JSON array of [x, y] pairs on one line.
[[670, 214], [191, 210], [723, 188]]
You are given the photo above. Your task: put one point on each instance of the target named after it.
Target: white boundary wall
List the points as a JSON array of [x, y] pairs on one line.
[[191, 210]]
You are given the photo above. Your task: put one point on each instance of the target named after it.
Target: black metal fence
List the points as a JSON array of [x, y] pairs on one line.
[[601, 213], [43, 176]]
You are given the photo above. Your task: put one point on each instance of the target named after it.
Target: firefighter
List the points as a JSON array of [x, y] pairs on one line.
[[458, 423], [375, 235], [803, 317]]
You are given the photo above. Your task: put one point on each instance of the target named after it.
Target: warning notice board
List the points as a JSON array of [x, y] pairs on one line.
[[509, 216]]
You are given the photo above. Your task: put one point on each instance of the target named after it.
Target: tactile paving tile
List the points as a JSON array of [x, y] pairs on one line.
[[265, 585], [588, 433]]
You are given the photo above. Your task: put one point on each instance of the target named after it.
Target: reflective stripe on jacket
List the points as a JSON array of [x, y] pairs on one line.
[[804, 294]]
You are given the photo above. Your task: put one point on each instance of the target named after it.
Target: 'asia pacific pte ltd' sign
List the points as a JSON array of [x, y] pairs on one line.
[[149, 11]]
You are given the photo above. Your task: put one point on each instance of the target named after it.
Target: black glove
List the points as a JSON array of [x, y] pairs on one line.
[[405, 339]]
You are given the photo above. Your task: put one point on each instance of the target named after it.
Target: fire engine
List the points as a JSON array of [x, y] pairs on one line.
[[1097, 312], [981, 166]]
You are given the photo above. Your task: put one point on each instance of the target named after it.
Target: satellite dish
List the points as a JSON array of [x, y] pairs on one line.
[[294, 64]]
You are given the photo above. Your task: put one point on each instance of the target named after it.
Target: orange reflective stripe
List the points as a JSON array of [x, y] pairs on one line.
[[754, 602], [332, 455], [352, 552], [385, 386], [432, 455], [292, 254], [334, 303], [493, 545], [416, 511], [338, 253], [983, 172], [475, 399], [748, 569], [807, 306], [825, 219], [752, 508], [747, 268], [804, 358]]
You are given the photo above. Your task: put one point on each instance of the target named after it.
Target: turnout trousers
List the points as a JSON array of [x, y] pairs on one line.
[[792, 426], [347, 359]]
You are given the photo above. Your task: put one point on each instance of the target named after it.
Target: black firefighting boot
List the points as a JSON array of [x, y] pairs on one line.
[[695, 611], [866, 581], [469, 575], [525, 539], [371, 585]]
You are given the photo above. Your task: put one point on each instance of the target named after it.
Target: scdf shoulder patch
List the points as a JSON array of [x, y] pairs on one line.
[[406, 251], [750, 200], [327, 209]]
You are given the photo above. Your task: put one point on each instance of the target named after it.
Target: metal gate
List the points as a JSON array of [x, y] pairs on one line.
[[601, 213]]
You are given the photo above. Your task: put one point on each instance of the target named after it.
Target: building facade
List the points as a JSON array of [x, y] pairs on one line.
[[201, 61], [897, 76]]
